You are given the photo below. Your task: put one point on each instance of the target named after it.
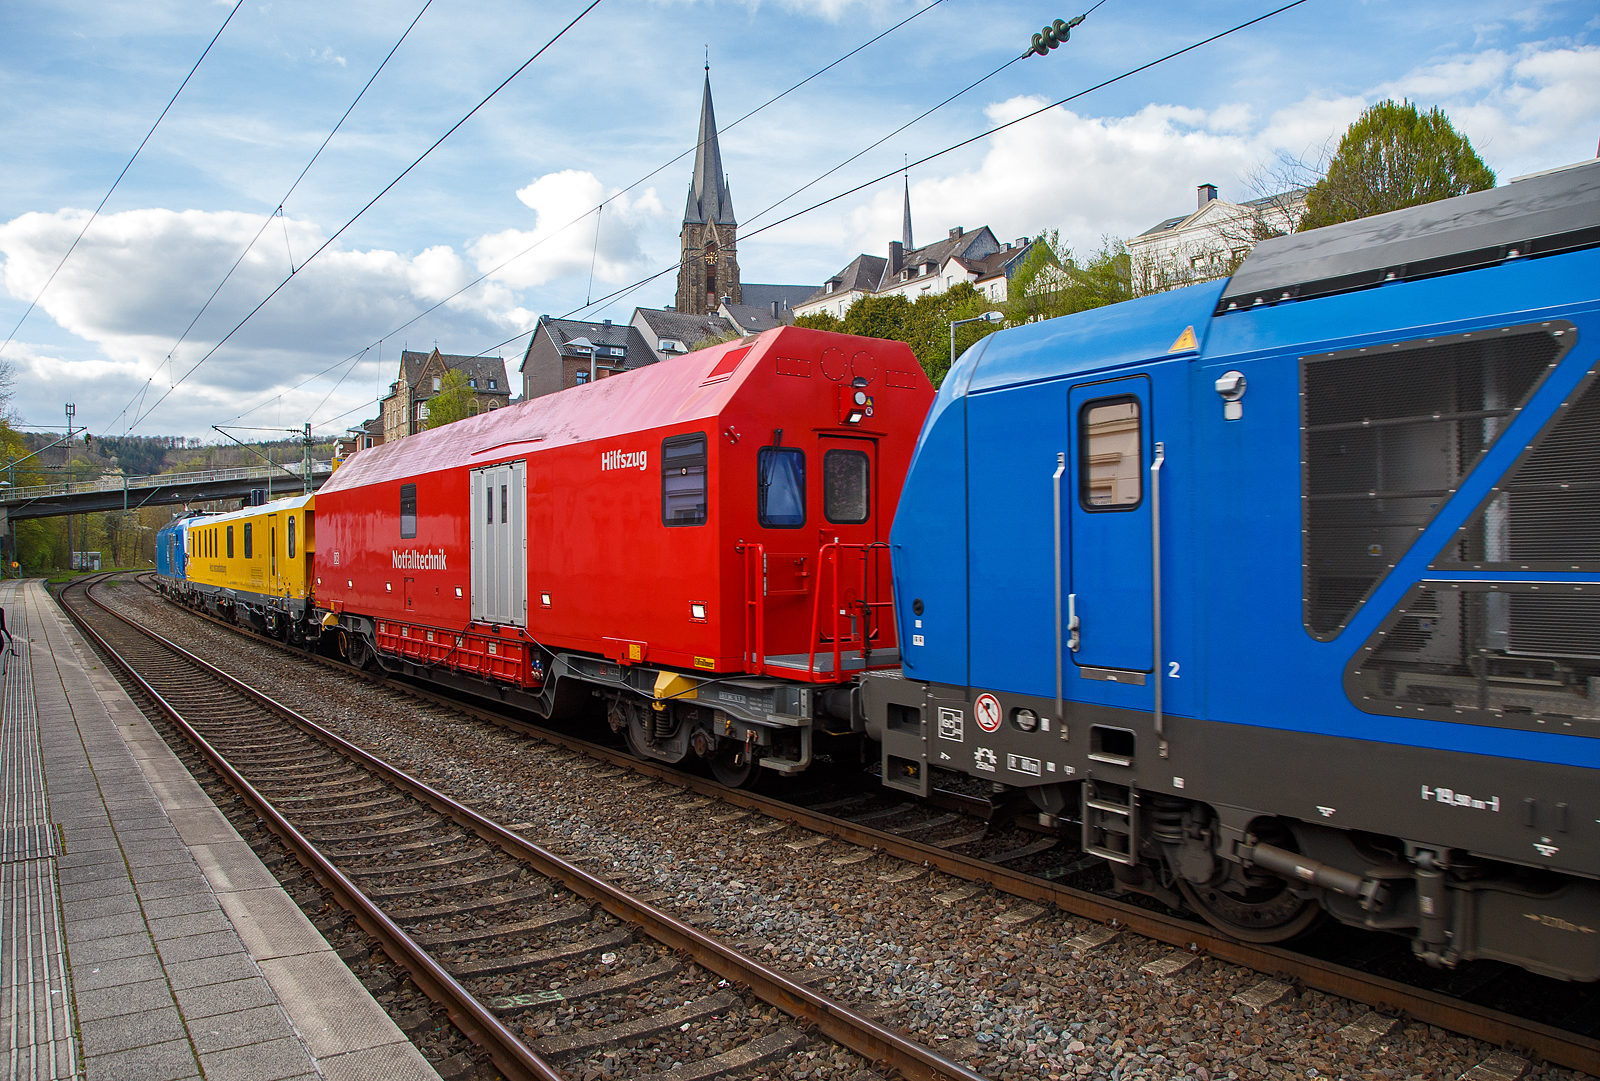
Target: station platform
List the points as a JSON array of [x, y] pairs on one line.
[[143, 940]]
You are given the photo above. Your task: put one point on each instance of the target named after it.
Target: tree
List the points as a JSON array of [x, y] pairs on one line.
[[452, 403], [716, 339], [1392, 157], [924, 324], [1052, 281]]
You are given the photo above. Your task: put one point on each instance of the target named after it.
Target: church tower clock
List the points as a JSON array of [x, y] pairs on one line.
[[709, 257]]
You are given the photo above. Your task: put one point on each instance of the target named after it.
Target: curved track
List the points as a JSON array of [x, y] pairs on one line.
[[1041, 876], [480, 916]]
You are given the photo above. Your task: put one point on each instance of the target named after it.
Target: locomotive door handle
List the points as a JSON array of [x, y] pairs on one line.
[[1072, 622]]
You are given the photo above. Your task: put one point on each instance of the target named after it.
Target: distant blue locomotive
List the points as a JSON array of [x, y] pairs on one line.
[[1287, 588], [172, 550]]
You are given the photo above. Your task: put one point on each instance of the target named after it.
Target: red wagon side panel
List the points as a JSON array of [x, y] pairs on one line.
[[605, 573]]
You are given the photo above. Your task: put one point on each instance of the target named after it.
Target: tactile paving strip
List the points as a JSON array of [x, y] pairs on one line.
[[36, 1024]]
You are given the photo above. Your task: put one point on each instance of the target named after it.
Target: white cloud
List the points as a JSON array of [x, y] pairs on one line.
[[138, 277], [1090, 177], [1524, 109], [564, 240]]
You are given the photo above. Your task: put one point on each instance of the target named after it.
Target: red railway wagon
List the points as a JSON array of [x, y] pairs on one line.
[[699, 543]]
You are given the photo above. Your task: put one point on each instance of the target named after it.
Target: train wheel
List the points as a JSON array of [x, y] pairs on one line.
[[732, 767], [634, 731], [1263, 914]]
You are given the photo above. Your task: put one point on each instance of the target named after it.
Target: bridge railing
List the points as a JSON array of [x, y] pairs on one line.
[[117, 482]]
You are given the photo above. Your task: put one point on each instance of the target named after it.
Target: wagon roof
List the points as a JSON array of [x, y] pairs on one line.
[[675, 391]]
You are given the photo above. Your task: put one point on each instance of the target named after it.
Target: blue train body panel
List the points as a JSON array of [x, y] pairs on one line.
[[1285, 590], [1232, 547]]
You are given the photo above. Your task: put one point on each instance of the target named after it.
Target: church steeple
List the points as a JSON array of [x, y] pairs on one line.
[[709, 266], [905, 229], [709, 200]]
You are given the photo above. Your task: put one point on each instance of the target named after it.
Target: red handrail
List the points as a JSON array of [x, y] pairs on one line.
[[755, 612], [828, 556]]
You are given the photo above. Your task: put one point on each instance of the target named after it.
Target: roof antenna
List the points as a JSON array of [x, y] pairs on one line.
[[708, 59]]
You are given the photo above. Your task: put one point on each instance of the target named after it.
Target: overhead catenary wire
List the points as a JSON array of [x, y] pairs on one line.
[[953, 147], [74, 245], [279, 212], [367, 206], [603, 203]]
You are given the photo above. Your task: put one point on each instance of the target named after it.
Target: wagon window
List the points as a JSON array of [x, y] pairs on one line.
[[291, 536], [781, 487], [230, 542], [248, 547], [846, 477], [683, 480], [1109, 462], [408, 511]]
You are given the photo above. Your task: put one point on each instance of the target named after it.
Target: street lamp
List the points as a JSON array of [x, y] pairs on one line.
[[986, 317]]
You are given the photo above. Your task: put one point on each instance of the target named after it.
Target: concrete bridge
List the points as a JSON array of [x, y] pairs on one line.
[[162, 489]]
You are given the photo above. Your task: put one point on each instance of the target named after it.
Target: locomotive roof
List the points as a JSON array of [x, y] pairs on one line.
[[290, 503], [674, 391], [1538, 215]]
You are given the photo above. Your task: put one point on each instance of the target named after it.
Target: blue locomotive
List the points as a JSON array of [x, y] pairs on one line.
[[1286, 589]]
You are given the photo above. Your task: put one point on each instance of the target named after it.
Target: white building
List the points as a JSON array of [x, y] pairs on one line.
[[1212, 240], [913, 272]]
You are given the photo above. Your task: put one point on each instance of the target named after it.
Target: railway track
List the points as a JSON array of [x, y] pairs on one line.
[[509, 937], [1041, 870]]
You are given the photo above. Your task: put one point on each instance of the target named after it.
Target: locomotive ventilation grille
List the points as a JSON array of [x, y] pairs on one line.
[[1545, 514], [1510, 653], [1387, 434]]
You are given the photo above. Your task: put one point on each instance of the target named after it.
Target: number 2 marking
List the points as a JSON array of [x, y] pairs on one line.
[[1172, 670]]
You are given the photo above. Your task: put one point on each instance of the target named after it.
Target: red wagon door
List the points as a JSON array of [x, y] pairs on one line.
[[854, 622]]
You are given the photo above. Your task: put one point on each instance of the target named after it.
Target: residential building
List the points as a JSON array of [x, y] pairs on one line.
[[1211, 240], [405, 407], [566, 353], [909, 271], [667, 333]]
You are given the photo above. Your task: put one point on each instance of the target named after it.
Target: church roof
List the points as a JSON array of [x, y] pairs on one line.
[[756, 295], [709, 200], [750, 319]]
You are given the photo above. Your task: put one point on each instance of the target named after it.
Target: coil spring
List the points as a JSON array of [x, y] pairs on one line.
[[1166, 818]]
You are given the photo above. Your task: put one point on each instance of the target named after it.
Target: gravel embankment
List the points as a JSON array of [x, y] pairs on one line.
[[984, 978]]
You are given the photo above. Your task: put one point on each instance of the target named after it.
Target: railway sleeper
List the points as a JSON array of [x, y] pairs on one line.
[[785, 1041], [419, 865], [458, 908], [494, 966], [560, 1046], [609, 985], [557, 918], [510, 870]]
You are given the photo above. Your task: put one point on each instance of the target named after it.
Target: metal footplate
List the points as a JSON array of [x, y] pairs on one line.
[[1110, 821]]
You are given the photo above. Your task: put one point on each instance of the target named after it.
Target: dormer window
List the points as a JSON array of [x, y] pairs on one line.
[[832, 286], [493, 385], [473, 383]]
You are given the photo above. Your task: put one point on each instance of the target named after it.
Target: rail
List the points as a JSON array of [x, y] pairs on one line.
[[1568, 1049], [875, 1042], [118, 483]]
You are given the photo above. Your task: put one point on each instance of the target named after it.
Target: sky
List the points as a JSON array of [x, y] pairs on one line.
[[600, 116]]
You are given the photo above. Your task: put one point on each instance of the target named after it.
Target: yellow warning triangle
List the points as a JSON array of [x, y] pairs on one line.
[[1186, 343]]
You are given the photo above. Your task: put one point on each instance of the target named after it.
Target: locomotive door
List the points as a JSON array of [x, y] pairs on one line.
[[1106, 488], [499, 543]]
